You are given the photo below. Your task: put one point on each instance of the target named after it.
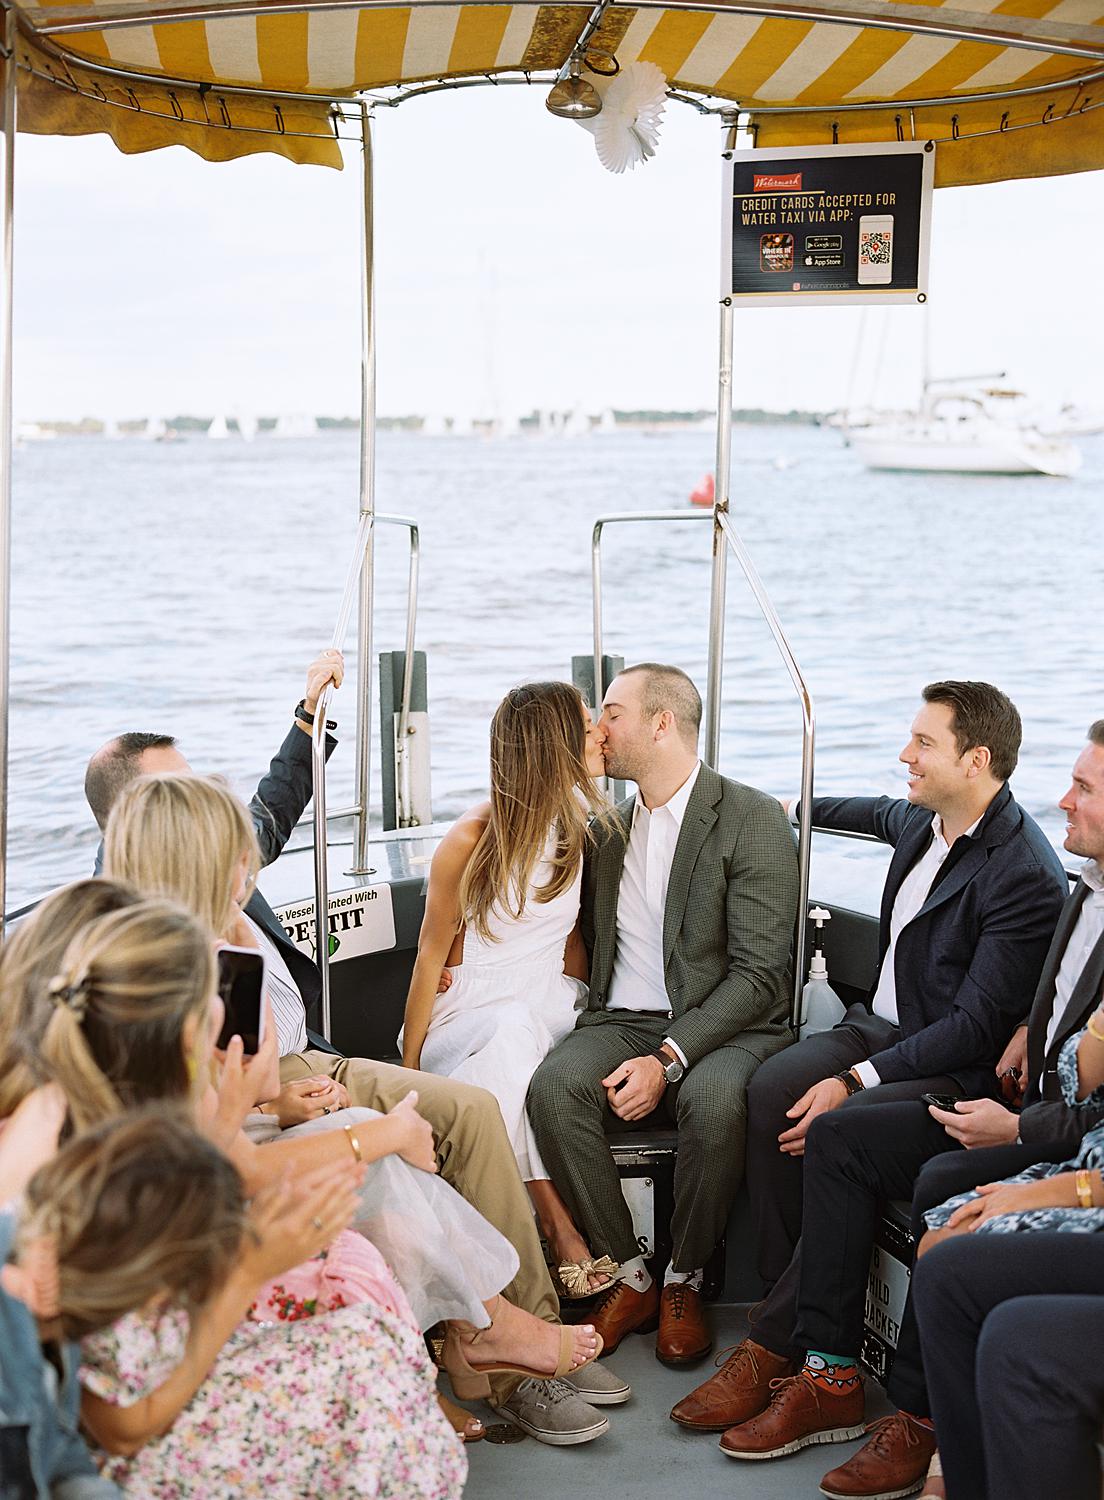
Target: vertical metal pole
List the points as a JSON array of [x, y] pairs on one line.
[[719, 582], [366, 686], [600, 685], [7, 119]]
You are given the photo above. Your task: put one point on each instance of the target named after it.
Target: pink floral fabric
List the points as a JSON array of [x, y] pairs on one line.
[[341, 1404], [351, 1270]]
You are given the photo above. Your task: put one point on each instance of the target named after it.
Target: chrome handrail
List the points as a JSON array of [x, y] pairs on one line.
[[596, 572], [808, 748], [365, 529]]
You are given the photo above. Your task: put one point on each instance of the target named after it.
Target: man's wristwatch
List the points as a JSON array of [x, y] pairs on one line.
[[304, 715], [851, 1082], [673, 1070]]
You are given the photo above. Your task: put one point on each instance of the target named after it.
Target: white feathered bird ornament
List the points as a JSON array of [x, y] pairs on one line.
[[633, 102]]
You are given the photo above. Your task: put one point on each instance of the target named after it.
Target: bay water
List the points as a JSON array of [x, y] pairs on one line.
[[183, 587]]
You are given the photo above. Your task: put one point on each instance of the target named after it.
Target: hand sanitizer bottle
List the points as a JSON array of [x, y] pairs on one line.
[[821, 1007]]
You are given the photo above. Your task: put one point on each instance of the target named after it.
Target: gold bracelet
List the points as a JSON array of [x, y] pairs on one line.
[[1094, 1030], [1083, 1182], [353, 1142]]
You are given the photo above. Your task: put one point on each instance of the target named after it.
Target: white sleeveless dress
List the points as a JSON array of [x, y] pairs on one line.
[[509, 1003]]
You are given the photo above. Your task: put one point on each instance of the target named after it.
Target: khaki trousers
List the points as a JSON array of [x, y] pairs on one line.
[[473, 1155]]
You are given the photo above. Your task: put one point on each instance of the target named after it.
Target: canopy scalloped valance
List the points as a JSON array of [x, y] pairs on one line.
[[1009, 90]]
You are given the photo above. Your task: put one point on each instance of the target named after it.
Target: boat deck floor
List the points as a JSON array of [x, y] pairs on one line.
[[644, 1455]]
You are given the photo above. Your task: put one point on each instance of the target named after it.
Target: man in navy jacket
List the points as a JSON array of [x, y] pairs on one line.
[[971, 901]]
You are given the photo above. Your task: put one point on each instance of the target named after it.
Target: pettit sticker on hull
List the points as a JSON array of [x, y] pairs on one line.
[[828, 224], [360, 921]]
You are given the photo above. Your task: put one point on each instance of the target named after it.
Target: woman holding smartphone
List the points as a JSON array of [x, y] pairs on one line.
[[186, 1396], [189, 838]]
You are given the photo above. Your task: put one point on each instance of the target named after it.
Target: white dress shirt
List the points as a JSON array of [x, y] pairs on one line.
[[1082, 940], [913, 892], [289, 1014], [637, 981]]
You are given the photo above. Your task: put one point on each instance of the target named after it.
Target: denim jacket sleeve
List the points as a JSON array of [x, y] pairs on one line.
[[40, 1430]]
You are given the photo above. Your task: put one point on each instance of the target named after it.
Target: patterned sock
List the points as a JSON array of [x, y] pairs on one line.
[[837, 1373], [692, 1279], [635, 1273]]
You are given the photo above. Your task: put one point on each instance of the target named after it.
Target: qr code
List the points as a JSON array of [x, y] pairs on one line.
[[877, 248]]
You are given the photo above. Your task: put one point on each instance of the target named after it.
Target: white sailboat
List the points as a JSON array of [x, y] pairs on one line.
[[964, 425], [295, 425], [962, 432], [219, 430]]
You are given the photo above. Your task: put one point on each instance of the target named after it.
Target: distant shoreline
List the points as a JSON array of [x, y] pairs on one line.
[[535, 422]]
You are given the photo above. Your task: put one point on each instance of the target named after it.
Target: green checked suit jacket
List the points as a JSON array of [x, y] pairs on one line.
[[728, 923]]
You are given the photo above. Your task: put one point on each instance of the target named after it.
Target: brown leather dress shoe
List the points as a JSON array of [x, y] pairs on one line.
[[739, 1391], [684, 1335], [893, 1463], [800, 1414], [624, 1310]]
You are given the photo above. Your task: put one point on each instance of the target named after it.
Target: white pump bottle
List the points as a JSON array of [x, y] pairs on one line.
[[821, 1007]]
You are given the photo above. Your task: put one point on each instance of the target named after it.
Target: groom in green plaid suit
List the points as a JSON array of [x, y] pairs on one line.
[[688, 909]]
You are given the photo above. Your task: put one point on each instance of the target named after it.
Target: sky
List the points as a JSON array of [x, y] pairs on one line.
[[513, 272]]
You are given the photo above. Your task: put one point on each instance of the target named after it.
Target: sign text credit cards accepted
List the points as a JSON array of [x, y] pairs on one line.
[[828, 224]]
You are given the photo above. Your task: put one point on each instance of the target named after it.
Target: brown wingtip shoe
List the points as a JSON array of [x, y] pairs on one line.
[[624, 1310], [684, 1335], [892, 1464], [800, 1413], [739, 1391]]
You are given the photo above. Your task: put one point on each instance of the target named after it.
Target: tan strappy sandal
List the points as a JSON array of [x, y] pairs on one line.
[[470, 1381]]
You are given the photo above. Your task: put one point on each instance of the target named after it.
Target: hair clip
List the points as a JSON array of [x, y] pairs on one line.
[[73, 996]]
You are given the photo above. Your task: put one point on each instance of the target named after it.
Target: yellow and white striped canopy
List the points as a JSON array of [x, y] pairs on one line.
[[1010, 88]]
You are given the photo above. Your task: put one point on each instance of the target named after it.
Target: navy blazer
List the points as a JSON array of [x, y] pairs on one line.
[[276, 807], [1046, 1118], [966, 965]]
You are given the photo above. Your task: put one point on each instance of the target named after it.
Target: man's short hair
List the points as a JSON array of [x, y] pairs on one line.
[[1096, 733], [115, 766], [667, 687], [981, 715]]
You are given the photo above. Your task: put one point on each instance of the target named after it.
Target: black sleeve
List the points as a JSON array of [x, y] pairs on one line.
[[1050, 1120]]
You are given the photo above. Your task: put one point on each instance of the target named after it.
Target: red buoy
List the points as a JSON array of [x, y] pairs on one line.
[[705, 492]]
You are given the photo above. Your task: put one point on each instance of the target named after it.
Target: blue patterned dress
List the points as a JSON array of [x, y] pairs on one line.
[[1091, 1155]]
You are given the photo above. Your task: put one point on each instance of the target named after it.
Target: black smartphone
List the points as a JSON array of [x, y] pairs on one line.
[[941, 1101], [241, 983]]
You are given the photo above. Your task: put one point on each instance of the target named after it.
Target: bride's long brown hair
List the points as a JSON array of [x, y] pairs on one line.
[[539, 781]]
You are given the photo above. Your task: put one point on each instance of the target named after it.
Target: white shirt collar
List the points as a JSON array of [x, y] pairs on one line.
[[1093, 875], [675, 804], [937, 828]]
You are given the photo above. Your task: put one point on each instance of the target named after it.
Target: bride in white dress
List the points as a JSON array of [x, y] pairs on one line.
[[502, 914]]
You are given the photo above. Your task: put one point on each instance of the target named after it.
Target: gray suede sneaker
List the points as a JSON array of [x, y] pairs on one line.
[[553, 1412], [598, 1385]]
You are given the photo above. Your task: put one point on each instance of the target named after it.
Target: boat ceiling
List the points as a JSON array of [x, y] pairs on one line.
[[1008, 88]]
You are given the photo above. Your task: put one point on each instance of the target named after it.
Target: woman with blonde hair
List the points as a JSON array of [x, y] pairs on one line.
[[188, 837], [502, 912], [24, 971], [136, 1240]]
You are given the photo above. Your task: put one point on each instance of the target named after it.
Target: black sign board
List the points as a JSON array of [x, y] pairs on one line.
[[828, 224]]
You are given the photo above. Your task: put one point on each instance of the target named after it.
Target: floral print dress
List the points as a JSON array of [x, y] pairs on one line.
[[1091, 1155], [318, 1393]]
